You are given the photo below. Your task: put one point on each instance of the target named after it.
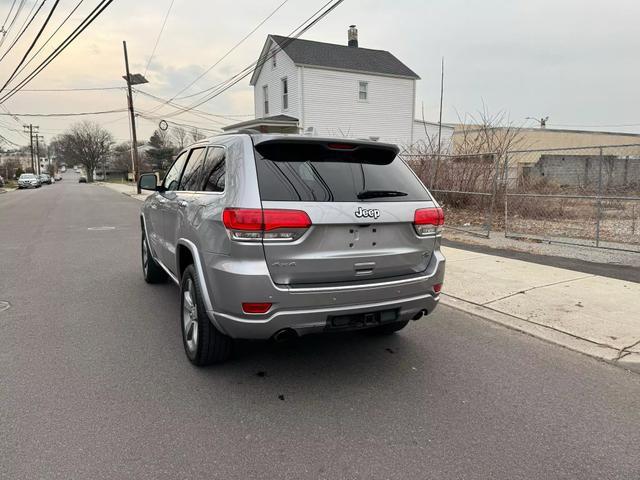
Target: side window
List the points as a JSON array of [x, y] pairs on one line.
[[172, 177], [215, 170], [363, 91], [193, 173]]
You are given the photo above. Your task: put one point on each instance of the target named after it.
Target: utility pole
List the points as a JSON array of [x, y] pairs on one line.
[[135, 79], [38, 138], [441, 96], [31, 129]]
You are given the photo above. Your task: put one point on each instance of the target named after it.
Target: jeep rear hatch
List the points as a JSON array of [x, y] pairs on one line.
[[342, 212]]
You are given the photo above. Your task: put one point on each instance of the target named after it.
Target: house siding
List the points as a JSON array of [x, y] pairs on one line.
[[332, 106], [272, 77]]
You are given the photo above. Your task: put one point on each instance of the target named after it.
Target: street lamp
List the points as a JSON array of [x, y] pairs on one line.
[[541, 121]]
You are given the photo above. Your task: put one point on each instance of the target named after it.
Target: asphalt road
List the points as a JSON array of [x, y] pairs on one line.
[[94, 382]]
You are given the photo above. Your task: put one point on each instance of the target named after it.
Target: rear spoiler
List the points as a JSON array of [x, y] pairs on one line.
[[321, 149]]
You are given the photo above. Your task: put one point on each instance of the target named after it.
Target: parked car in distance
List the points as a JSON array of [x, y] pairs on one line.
[[277, 236], [57, 177], [29, 180], [82, 179], [1, 181], [45, 179]]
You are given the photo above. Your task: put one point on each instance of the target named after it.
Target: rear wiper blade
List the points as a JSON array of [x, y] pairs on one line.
[[380, 193]]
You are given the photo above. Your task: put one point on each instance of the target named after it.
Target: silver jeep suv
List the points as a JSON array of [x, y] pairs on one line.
[[275, 236]]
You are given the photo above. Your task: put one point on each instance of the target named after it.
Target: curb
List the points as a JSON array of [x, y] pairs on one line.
[[629, 360]]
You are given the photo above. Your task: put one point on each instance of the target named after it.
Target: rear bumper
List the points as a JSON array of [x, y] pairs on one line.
[[308, 310]]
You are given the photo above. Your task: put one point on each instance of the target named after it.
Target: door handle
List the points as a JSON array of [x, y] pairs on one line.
[[182, 203]]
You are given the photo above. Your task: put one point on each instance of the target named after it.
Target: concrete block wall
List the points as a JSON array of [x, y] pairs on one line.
[[584, 170]]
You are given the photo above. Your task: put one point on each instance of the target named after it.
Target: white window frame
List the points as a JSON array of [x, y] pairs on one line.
[[265, 99], [362, 83], [274, 62], [284, 83]]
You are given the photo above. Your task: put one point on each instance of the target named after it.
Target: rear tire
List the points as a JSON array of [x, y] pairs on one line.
[[152, 271], [389, 328], [203, 343]]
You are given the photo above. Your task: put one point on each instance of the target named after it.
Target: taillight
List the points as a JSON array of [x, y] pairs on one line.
[[260, 307], [428, 221], [254, 224]]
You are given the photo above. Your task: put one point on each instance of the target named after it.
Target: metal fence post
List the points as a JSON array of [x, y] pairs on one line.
[[599, 200], [505, 179], [494, 192]]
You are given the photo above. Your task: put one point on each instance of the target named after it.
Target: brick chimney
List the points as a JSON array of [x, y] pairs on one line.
[[353, 36]]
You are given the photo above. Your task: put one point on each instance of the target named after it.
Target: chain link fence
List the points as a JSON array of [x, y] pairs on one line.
[[464, 185], [583, 196], [587, 196]]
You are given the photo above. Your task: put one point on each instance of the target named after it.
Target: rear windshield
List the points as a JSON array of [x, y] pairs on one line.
[[337, 180]]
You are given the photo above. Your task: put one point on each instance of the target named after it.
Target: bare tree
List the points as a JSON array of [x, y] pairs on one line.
[[196, 135], [85, 143], [121, 156], [180, 136]]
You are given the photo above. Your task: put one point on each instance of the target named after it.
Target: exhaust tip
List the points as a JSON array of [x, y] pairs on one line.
[[285, 335], [419, 315]]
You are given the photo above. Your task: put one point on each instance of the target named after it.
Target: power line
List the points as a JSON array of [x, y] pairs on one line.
[[8, 15], [170, 122], [81, 89], [24, 27], [249, 69], [51, 36], [70, 114], [15, 17], [95, 13], [153, 52], [223, 86], [33, 44], [226, 54], [164, 101]]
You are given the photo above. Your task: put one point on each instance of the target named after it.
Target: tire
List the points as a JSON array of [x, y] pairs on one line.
[[153, 273], [389, 328], [203, 343]]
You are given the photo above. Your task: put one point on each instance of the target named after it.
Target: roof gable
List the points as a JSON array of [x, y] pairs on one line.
[[336, 57]]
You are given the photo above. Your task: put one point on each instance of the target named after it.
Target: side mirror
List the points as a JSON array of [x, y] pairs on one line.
[[148, 181]]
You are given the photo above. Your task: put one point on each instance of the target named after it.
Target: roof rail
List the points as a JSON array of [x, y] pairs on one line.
[[247, 131]]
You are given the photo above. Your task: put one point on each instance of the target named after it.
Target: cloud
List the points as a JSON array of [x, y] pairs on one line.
[[574, 60]]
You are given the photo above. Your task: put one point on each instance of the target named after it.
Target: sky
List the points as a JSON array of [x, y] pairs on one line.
[[575, 61]]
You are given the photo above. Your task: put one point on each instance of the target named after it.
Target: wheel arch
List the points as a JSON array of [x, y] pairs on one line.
[[194, 255]]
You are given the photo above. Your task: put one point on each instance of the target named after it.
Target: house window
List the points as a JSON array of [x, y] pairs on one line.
[[285, 94], [363, 91], [274, 63], [265, 96]]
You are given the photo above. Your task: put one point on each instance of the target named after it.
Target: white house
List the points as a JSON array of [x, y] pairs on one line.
[[323, 89]]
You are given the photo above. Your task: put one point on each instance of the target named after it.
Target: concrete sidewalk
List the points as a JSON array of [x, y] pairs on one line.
[[595, 315], [125, 188], [591, 314]]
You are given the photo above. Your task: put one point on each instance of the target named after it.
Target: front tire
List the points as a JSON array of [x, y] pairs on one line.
[[203, 343], [152, 271]]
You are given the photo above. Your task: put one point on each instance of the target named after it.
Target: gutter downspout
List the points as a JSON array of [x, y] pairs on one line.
[[413, 115], [301, 81]]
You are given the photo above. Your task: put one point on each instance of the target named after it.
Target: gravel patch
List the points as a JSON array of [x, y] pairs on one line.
[[497, 240]]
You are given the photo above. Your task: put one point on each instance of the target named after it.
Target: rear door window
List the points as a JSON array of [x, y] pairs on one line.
[[215, 170], [193, 173], [337, 178]]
